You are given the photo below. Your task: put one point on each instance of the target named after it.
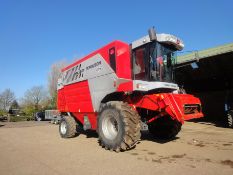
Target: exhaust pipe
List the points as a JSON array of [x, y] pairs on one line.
[[152, 34]]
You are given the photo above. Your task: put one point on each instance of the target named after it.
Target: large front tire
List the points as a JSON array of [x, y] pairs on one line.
[[164, 128], [118, 126], [67, 127]]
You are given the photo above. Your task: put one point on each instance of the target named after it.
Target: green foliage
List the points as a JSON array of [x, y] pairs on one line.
[[20, 118], [34, 100], [3, 113], [53, 104], [29, 110]]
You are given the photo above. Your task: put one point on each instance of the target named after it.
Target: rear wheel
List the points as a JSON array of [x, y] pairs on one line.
[[67, 127], [164, 128], [118, 126], [230, 119]]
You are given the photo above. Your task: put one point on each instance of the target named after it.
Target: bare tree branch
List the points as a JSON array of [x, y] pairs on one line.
[[53, 76], [34, 96], [6, 98]]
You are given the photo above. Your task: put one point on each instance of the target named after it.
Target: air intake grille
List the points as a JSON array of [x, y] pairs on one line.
[[192, 108]]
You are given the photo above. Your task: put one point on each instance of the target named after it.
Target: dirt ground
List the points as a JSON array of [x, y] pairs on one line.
[[36, 148]]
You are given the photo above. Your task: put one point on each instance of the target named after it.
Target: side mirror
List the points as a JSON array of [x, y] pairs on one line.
[[152, 34]]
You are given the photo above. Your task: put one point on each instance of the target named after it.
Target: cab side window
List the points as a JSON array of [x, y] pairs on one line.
[[139, 64]]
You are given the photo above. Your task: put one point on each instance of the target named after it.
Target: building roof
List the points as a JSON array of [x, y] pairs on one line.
[[197, 55]]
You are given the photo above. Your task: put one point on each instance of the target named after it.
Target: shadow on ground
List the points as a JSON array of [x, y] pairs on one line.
[[145, 135], [89, 133], [216, 123]]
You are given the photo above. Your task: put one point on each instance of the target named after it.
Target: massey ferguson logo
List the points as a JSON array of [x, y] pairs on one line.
[[73, 74], [77, 72]]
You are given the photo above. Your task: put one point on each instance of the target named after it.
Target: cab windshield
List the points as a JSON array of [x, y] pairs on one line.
[[153, 62]]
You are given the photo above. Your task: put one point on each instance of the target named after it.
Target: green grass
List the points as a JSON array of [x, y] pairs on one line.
[[20, 118]]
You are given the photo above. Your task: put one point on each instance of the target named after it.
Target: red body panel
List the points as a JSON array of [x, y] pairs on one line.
[[177, 101], [77, 98], [122, 58], [124, 87], [61, 101], [168, 104], [123, 61]]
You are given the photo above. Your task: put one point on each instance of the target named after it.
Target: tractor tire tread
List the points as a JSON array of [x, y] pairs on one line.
[[132, 127], [72, 125]]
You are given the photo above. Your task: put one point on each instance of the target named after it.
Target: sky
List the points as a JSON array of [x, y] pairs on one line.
[[34, 34]]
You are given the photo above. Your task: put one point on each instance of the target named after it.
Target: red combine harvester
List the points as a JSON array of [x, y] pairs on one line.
[[122, 89]]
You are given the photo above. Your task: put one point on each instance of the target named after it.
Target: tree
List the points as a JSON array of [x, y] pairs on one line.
[[34, 97], [53, 76], [6, 98], [14, 105], [14, 108]]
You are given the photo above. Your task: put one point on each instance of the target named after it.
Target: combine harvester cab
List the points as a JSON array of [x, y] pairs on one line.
[[122, 89]]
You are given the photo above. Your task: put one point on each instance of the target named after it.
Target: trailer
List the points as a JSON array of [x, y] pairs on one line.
[[53, 116]]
